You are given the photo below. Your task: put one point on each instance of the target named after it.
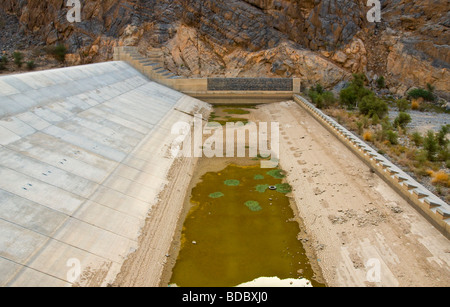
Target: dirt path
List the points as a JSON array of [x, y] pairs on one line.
[[358, 223]]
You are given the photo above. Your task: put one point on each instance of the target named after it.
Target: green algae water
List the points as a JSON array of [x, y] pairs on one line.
[[236, 231]]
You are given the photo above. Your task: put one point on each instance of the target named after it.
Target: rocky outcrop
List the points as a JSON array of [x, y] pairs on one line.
[[318, 41]]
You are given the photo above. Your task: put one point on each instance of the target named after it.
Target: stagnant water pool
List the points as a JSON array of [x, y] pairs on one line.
[[240, 227]]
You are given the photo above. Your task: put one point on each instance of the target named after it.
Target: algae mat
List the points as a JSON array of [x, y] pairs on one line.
[[235, 233]]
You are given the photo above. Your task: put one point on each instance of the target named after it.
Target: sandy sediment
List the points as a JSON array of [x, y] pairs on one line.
[[363, 232]]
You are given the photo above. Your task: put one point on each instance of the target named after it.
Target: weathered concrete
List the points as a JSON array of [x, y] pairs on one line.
[[243, 91], [83, 157]]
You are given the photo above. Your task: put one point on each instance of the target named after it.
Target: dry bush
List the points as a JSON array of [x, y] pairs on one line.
[[440, 178], [368, 136], [415, 105]]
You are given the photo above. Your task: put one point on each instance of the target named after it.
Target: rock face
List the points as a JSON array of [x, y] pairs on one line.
[[319, 41]]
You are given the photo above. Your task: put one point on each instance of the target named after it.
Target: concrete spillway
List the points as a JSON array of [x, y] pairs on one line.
[[83, 157]]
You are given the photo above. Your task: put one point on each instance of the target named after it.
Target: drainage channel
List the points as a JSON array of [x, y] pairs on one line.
[[240, 226]]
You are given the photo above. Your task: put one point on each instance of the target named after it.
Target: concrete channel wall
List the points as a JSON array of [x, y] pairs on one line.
[[429, 205], [83, 157], [231, 91]]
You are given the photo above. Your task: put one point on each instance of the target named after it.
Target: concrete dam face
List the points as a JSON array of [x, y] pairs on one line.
[[84, 153]]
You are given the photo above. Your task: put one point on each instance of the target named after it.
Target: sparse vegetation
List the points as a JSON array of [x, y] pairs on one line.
[[320, 97], [421, 93], [58, 52], [424, 155], [351, 96], [371, 105], [18, 59], [402, 120], [403, 105], [31, 65], [3, 62], [381, 83]]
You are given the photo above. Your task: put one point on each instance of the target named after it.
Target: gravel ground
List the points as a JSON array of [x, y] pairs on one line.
[[424, 121]]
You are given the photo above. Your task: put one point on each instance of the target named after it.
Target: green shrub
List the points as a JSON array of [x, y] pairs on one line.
[[442, 135], [417, 138], [31, 65], [348, 97], [360, 127], [371, 105], [402, 120], [375, 119], [421, 93], [381, 83], [320, 97], [328, 98], [392, 137], [18, 59], [431, 145], [355, 92], [319, 88], [58, 52], [403, 105]]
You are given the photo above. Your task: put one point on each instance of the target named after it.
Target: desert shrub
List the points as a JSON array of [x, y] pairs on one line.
[[430, 88], [421, 93], [375, 119], [431, 146], [18, 59], [392, 137], [368, 136], [402, 120], [440, 178], [417, 139], [355, 92], [403, 105], [442, 135], [381, 83], [58, 52], [328, 98], [348, 97], [31, 65], [371, 105], [444, 154], [320, 97], [319, 88], [3, 62], [415, 105], [360, 126]]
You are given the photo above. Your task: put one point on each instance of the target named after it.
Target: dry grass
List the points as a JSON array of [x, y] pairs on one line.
[[368, 136], [440, 178]]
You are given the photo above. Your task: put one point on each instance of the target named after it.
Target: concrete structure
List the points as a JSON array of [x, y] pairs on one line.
[[429, 205], [84, 153], [200, 88]]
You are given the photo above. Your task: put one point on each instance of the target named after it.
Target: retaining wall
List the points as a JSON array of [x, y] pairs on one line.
[[429, 205], [213, 90]]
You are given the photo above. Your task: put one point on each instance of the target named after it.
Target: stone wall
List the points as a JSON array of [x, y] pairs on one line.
[[250, 84]]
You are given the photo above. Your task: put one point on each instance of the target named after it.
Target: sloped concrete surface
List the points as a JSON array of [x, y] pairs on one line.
[[83, 157]]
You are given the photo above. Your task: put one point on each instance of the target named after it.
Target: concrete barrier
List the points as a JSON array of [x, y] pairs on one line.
[[435, 210], [202, 89], [84, 154]]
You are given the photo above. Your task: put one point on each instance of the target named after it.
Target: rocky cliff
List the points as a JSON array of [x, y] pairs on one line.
[[317, 40]]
